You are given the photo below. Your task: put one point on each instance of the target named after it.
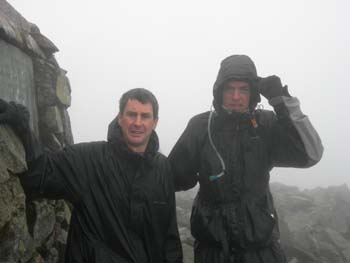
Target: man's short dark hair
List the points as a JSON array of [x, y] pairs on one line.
[[142, 95]]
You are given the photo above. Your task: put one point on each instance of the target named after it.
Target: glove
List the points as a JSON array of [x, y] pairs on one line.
[[14, 114], [17, 116], [271, 87]]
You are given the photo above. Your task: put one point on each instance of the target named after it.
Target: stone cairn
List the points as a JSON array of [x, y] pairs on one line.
[[31, 231]]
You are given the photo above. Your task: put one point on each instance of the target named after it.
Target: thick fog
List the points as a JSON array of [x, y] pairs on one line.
[[174, 49]]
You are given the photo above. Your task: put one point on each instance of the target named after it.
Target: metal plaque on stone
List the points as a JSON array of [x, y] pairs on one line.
[[17, 79]]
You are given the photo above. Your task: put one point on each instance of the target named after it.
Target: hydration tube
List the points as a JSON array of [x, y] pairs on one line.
[[253, 122], [213, 178]]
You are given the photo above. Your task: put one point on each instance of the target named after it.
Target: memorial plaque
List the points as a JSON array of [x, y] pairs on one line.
[[17, 79]]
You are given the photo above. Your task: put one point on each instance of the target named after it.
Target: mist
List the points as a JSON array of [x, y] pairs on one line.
[[174, 49]]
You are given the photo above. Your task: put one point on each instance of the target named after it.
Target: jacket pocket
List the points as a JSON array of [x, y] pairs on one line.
[[206, 223], [258, 225], [161, 212], [100, 252]]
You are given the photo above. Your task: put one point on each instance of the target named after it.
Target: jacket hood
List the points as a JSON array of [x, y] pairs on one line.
[[115, 136], [239, 67]]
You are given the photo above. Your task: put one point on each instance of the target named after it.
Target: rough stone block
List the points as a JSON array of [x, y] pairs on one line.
[[12, 155], [45, 78], [41, 220], [16, 245], [68, 136], [52, 120], [11, 201], [11, 32], [33, 46], [63, 89]]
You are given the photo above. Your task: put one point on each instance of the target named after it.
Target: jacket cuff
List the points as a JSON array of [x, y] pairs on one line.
[[289, 106]]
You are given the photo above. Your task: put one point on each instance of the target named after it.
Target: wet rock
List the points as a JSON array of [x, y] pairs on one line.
[[63, 89], [16, 245], [314, 224], [45, 80], [12, 155], [52, 120], [42, 220]]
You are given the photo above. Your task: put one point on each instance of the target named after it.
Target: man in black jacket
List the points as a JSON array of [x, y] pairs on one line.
[[122, 190], [230, 152]]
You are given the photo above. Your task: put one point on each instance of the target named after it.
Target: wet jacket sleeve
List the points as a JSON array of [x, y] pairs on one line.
[[172, 245], [294, 140], [184, 157], [57, 175]]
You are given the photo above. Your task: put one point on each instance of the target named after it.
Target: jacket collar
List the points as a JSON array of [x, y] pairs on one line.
[[231, 119]]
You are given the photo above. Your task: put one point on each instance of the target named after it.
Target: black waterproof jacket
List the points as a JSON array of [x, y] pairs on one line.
[[233, 216], [124, 204]]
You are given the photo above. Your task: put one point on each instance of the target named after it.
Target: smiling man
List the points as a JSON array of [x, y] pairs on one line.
[[137, 120], [122, 190]]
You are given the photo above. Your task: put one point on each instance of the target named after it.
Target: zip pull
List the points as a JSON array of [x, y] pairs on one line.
[[253, 122], [255, 125]]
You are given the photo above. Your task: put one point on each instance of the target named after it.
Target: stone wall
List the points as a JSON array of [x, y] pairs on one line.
[[31, 231]]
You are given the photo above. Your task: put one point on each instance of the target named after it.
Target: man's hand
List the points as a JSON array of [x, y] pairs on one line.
[[14, 114], [271, 87], [17, 116]]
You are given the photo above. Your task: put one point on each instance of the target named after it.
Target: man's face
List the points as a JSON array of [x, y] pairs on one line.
[[236, 96], [137, 123]]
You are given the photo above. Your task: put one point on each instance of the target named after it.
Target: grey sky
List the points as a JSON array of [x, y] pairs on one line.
[[174, 49]]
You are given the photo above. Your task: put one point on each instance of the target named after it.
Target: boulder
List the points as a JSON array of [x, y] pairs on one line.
[[12, 155]]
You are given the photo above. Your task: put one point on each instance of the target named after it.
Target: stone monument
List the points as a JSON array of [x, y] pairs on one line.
[[31, 231]]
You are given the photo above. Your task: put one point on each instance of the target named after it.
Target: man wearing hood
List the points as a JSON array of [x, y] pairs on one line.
[[122, 190], [230, 151]]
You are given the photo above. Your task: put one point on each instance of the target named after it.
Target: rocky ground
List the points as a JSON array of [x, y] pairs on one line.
[[314, 224]]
